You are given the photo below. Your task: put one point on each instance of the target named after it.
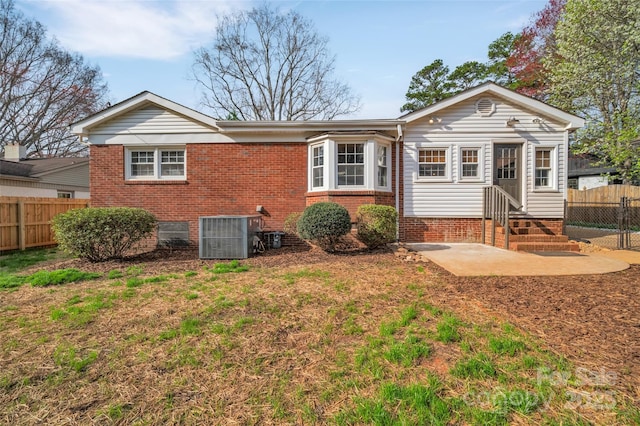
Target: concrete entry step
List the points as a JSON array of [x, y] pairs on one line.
[[539, 238], [544, 246]]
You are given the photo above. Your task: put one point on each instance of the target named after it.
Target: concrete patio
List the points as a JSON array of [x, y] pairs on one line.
[[464, 259]]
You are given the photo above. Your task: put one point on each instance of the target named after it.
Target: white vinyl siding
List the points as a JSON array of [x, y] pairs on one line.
[[150, 120], [461, 128]]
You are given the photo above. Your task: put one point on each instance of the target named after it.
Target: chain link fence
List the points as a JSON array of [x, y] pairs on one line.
[[607, 224]]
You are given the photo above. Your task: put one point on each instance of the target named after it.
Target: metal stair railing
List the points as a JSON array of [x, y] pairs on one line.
[[496, 206]]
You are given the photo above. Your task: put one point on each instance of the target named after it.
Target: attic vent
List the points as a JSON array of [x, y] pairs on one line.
[[485, 107], [228, 237]]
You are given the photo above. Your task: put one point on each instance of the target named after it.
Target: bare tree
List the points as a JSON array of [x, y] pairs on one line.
[[264, 65], [43, 88]]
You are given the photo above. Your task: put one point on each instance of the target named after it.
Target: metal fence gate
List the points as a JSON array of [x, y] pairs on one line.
[[630, 223], [611, 225]]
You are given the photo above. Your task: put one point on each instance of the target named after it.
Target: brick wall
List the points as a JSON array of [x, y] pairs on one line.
[[546, 226], [463, 230], [232, 179], [222, 179], [467, 230]]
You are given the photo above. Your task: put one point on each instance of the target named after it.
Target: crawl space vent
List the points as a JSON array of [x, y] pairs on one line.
[[173, 234], [228, 237], [485, 107]]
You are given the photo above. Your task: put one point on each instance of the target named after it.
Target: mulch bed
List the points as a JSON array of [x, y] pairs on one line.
[[594, 320]]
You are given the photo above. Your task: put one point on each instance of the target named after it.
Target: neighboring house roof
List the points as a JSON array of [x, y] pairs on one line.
[[587, 165], [13, 168], [571, 121], [39, 167], [44, 166]]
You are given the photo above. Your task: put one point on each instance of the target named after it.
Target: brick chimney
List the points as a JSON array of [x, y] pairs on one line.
[[15, 152]]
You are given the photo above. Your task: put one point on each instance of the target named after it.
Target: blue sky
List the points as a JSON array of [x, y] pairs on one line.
[[379, 45]]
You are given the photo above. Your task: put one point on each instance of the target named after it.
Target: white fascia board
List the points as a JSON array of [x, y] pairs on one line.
[[83, 127], [154, 139], [19, 178], [308, 126], [351, 136], [138, 139], [571, 121]]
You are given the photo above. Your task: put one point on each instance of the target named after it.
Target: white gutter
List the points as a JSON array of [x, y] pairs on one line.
[[399, 138]]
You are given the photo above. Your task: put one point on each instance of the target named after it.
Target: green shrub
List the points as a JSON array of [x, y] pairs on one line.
[[376, 224], [324, 224], [103, 233]]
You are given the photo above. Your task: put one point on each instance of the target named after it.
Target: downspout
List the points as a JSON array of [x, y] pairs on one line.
[[399, 139]]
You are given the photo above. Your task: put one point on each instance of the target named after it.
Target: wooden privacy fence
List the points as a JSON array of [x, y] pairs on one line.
[[603, 194], [25, 221]]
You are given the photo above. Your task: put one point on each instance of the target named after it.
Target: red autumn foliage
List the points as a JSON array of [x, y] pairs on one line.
[[536, 42]]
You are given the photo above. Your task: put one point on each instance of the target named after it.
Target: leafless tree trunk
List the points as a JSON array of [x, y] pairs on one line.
[[264, 65], [43, 88]]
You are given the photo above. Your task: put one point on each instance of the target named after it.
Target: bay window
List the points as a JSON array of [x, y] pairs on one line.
[[350, 162]]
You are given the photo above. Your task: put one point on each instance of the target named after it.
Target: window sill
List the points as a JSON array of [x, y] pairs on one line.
[[156, 182], [342, 191], [434, 180], [470, 181]]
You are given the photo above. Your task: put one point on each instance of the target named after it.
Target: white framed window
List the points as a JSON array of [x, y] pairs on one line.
[[383, 170], [350, 162], [142, 163], [470, 163], [433, 163], [155, 163], [544, 168], [65, 194], [317, 166], [172, 163]]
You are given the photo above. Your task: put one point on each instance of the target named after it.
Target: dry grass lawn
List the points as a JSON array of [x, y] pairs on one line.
[[304, 338]]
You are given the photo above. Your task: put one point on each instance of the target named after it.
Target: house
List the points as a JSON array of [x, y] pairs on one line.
[[42, 177], [433, 165], [587, 172]]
